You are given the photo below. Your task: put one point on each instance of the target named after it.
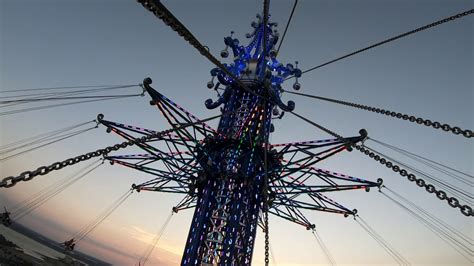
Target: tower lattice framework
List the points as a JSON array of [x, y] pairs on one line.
[[222, 171]]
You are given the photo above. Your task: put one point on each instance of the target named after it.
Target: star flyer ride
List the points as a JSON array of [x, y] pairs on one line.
[[231, 174]]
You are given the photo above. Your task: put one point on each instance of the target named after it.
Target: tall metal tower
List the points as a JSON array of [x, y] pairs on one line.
[[231, 185], [232, 176]]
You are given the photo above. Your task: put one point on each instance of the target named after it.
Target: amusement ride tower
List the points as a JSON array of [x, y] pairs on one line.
[[233, 176]]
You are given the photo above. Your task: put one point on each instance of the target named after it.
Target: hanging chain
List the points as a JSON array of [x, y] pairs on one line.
[[431, 25], [437, 125], [10, 181], [44, 170], [267, 241], [452, 201]]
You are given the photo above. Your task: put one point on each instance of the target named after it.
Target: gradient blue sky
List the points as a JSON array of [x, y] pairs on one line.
[[69, 42]]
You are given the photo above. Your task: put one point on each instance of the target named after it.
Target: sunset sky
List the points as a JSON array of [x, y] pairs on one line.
[[52, 43]]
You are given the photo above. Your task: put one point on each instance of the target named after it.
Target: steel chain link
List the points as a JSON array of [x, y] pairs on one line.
[[453, 202], [10, 181], [426, 122], [434, 24]]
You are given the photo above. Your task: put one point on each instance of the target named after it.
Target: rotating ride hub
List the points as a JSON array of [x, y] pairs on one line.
[[232, 175]]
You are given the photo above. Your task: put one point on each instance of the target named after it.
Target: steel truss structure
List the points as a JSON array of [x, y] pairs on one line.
[[221, 177], [231, 175], [221, 171]]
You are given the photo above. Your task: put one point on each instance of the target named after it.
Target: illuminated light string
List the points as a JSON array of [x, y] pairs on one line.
[[50, 95], [144, 130], [114, 130], [179, 170], [150, 155], [137, 129], [69, 87], [249, 118], [309, 176], [146, 155], [319, 196], [88, 228], [161, 108], [50, 141]]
